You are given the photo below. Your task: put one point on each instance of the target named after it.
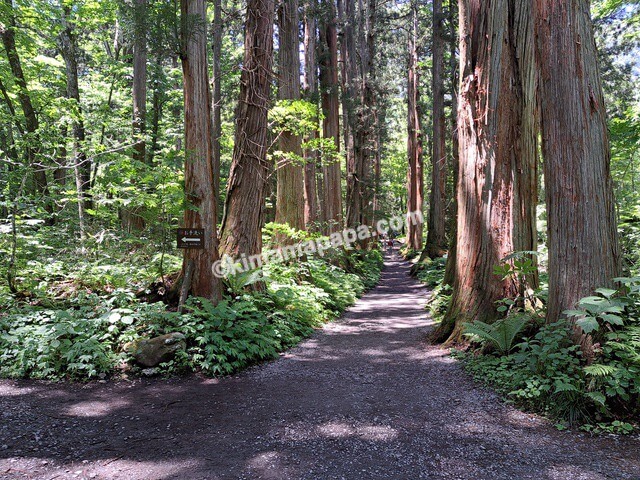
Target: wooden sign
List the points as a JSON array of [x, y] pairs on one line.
[[190, 238]]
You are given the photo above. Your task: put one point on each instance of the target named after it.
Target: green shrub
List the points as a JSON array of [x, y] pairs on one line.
[[52, 343]]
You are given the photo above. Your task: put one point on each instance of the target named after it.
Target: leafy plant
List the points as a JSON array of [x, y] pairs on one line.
[[500, 335], [237, 283], [520, 267], [431, 272], [604, 310]]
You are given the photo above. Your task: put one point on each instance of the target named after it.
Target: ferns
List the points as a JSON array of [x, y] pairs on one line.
[[501, 334]]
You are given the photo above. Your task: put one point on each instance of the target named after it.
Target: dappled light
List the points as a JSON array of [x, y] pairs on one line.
[[364, 396], [319, 240]]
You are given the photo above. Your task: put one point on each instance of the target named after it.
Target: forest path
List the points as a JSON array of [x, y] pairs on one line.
[[364, 398]]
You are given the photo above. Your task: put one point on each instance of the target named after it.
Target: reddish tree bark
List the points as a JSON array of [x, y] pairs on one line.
[[198, 171], [330, 93], [449, 274], [289, 170], [582, 237], [244, 208], [347, 16], [311, 207], [415, 180], [436, 235], [497, 177]]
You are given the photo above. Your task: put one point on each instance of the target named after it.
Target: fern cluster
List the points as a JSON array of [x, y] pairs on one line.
[[546, 371], [85, 339]]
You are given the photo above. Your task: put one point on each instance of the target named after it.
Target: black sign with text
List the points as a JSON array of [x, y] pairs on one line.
[[190, 238]]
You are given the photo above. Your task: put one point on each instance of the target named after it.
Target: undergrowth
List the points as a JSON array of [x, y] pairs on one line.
[[541, 367], [79, 317]]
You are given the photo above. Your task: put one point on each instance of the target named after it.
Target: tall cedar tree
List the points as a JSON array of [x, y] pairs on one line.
[[198, 168], [415, 180], [360, 128], [289, 170], [497, 177], [330, 99], [310, 86], [436, 236], [582, 238], [449, 274], [365, 143], [244, 208], [216, 105], [347, 15]]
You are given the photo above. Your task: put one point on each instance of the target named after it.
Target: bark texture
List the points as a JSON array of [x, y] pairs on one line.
[[330, 99], [311, 207], [198, 171], [216, 107], [415, 180], [81, 164], [244, 208], [360, 115], [436, 236], [449, 274], [497, 177], [289, 168], [347, 15], [582, 237]]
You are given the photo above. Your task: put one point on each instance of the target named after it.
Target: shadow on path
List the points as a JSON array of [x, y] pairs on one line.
[[364, 398]]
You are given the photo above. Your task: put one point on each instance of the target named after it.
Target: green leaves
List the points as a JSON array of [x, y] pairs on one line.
[[298, 117], [500, 335], [588, 324], [606, 309]]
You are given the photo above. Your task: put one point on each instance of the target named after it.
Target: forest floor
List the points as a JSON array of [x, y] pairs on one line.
[[364, 398]]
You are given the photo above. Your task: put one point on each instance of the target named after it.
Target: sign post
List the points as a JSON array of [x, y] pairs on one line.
[[190, 238]]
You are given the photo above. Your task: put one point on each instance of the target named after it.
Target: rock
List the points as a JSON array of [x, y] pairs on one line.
[[151, 352]]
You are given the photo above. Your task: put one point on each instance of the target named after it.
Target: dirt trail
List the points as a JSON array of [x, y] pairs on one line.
[[364, 398]]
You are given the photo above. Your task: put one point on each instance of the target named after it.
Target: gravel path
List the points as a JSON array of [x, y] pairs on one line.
[[365, 398]]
